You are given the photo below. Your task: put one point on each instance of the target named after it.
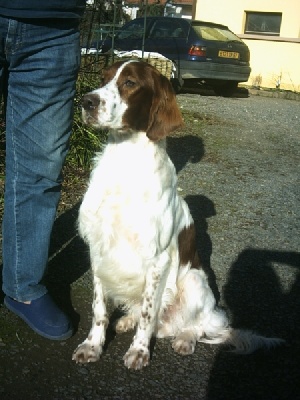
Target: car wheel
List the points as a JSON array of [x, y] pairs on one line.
[[226, 89], [177, 84]]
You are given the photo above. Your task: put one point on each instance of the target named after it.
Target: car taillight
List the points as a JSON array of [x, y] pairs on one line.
[[199, 51]]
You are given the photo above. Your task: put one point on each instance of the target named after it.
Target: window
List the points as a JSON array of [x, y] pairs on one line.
[[168, 29], [262, 23], [133, 31], [215, 33]]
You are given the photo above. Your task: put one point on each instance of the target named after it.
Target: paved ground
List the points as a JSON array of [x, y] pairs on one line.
[[238, 165]]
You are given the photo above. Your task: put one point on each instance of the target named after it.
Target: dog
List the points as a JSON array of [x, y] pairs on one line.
[[140, 232]]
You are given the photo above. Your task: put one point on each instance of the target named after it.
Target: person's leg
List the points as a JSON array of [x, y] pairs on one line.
[[43, 64]]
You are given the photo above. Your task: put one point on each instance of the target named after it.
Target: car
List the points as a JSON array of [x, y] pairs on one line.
[[204, 52]]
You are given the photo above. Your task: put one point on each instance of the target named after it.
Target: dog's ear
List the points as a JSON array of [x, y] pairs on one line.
[[165, 116]]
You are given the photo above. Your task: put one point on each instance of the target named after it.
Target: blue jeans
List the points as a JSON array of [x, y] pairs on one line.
[[42, 60]]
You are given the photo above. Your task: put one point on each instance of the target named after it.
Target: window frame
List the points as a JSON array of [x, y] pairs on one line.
[[252, 14]]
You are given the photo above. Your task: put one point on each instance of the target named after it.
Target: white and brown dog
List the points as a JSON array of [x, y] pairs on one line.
[[140, 232]]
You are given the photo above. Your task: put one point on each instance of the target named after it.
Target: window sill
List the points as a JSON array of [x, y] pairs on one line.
[[269, 38]]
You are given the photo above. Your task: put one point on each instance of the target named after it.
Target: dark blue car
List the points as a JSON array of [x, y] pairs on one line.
[[204, 51]]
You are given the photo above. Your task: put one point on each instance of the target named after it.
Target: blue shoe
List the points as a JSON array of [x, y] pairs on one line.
[[43, 316]]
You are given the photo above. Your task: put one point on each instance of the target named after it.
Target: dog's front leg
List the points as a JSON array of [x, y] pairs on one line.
[[138, 354], [91, 349]]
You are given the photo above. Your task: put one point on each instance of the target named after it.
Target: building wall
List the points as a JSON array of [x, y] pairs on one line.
[[274, 59]]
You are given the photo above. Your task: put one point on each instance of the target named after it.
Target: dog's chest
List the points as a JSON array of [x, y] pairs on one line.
[[129, 178], [130, 188]]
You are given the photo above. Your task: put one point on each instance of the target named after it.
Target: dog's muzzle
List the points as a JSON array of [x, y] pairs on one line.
[[90, 101]]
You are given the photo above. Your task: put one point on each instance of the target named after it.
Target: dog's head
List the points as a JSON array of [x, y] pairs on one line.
[[135, 97]]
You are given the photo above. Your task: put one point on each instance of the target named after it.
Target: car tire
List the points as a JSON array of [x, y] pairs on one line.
[[177, 84], [226, 89], [176, 81]]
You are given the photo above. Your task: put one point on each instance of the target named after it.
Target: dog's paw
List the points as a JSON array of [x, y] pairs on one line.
[[184, 344], [86, 353], [125, 324], [136, 358]]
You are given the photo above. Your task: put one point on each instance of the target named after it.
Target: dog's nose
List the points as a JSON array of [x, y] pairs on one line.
[[90, 101]]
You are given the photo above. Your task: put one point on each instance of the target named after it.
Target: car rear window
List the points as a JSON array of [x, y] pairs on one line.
[[215, 33]]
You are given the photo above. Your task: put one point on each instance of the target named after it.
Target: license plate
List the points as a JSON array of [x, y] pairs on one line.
[[229, 54]]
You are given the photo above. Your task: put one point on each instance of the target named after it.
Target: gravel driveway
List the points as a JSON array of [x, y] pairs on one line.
[[238, 167]]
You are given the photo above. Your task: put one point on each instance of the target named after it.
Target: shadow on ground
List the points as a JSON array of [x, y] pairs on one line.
[[68, 261], [205, 90], [258, 300]]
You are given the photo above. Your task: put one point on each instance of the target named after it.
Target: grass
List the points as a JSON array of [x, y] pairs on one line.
[[85, 140]]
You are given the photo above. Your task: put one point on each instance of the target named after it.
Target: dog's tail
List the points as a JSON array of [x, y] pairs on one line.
[[241, 341]]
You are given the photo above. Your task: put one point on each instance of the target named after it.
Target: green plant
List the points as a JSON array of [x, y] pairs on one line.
[[156, 9], [85, 140]]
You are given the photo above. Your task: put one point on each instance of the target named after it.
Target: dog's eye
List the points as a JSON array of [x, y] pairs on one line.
[[129, 83]]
